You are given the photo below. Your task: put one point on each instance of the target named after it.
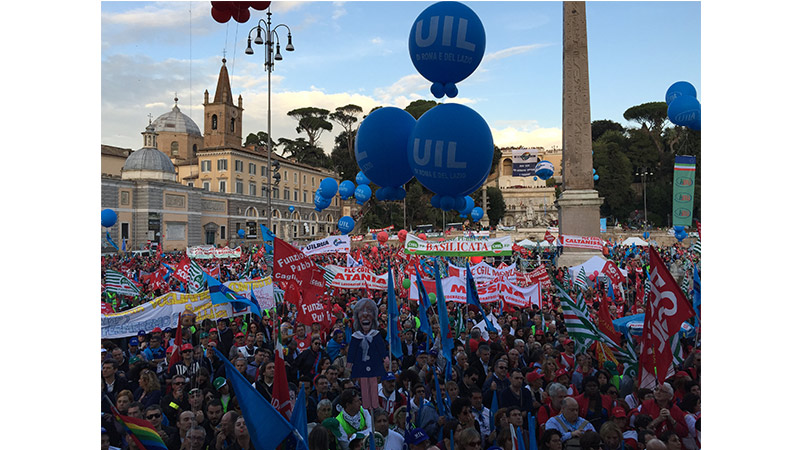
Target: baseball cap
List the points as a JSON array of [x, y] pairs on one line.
[[561, 372], [618, 412], [156, 330], [142, 333], [240, 334], [134, 341], [219, 382], [416, 436], [333, 426], [682, 374], [389, 377], [533, 376], [568, 341], [213, 330], [203, 334], [186, 347], [168, 330]]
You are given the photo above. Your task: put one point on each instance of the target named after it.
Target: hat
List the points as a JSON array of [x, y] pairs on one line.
[[357, 435], [142, 333], [540, 332], [240, 334], [168, 330], [333, 426], [416, 436], [195, 390], [533, 376], [388, 377], [682, 374], [422, 352], [102, 350], [186, 347], [213, 330], [568, 341], [203, 335], [156, 330], [618, 412], [134, 341], [219, 382], [561, 372]]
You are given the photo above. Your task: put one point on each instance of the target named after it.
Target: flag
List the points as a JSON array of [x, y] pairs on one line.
[[299, 420], [394, 318], [120, 284], [696, 296], [124, 241], [266, 234], [280, 386], [266, 425], [604, 321], [424, 304], [666, 310], [581, 282], [610, 292], [352, 262], [493, 409], [472, 299], [532, 431], [444, 323], [196, 277], [141, 431], [108, 238], [686, 284], [175, 357], [291, 264], [246, 273], [520, 440], [222, 294]]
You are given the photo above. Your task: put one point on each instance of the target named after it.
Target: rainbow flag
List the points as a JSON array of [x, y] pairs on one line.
[[141, 431]]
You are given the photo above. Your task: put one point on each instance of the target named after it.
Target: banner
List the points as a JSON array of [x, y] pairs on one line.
[[459, 246], [208, 252], [538, 275], [683, 190], [586, 242], [330, 244], [291, 264], [378, 230], [603, 226], [356, 278], [483, 272], [523, 162], [163, 311], [455, 290]]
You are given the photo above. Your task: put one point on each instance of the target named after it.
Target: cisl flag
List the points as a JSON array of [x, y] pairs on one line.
[[667, 309], [182, 270]]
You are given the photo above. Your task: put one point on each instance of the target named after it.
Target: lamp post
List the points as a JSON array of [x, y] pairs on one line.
[[270, 56], [644, 172]]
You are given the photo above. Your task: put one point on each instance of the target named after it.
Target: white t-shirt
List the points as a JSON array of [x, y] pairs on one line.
[[394, 441]]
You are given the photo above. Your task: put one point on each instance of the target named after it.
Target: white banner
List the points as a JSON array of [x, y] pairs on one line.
[[483, 272], [330, 244], [455, 290], [459, 246], [357, 278], [586, 242], [163, 311], [208, 252]]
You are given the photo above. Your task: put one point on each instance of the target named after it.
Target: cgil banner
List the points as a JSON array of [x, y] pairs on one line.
[[163, 311], [586, 242], [330, 244], [209, 252], [459, 247], [356, 278], [456, 291], [483, 272]]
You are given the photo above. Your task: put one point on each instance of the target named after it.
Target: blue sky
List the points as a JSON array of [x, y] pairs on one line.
[[357, 52]]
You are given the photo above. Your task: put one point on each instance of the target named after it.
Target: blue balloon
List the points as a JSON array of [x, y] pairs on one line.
[[321, 202], [363, 193], [382, 146], [328, 187], [446, 44], [695, 124], [361, 179], [291, 209], [535, 178], [469, 205], [346, 189], [460, 203], [447, 203], [241, 233], [679, 228], [399, 193], [544, 169], [646, 235], [108, 218], [450, 150], [596, 177], [477, 214], [436, 200], [346, 224], [680, 88], [380, 194], [684, 110]]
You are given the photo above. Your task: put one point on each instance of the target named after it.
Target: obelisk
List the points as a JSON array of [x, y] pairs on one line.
[[579, 204]]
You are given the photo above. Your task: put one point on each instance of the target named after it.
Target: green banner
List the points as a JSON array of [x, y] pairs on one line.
[[683, 190]]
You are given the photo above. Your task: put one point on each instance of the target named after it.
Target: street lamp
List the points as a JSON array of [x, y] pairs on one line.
[[270, 56], [644, 172]]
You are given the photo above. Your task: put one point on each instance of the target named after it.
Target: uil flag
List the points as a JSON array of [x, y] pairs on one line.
[[196, 277], [394, 337], [667, 308]]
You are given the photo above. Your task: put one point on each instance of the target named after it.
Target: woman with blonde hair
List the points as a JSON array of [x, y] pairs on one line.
[[149, 391]]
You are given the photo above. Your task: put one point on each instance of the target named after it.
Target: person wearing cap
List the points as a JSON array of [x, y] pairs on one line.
[[334, 431], [534, 384], [238, 342], [388, 397], [133, 353], [352, 418], [221, 386], [562, 376], [187, 366], [666, 415], [567, 360], [417, 439]]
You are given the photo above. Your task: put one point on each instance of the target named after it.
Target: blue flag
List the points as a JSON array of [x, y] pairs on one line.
[[521, 442], [266, 235], [532, 433], [394, 316], [493, 409], [610, 290], [222, 294], [108, 238], [424, 304], [696, 300], [472, 299], [444, 322], [299, 420], [267, 427], [123, 244]]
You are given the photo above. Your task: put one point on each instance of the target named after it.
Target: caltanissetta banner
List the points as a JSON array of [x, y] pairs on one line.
[[460, 246], [163, 311], [356, 278], [213, 252], [331, 244], [586, 242]]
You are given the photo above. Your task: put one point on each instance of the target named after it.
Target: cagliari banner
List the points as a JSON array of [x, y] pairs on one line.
[[683, 190], [460, 246], [523, 162], [330, 244], [163, 311], [208, 252], [355, 278], [586, 242]]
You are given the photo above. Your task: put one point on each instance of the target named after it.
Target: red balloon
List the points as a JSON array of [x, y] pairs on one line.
[[402, 235], [224, 6], [422, 236], [596, 273], [374, 250], [259, 6], [383, 237], [220, 15], [242, 15], [475, 259], [441, 239], [592, 277]]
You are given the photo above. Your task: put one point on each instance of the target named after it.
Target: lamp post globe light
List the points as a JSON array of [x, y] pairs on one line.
[[267, 36]]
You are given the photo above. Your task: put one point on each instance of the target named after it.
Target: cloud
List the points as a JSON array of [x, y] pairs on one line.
[[525, 133], [513, 51], [406, 87], [338, 10], [377, 41]]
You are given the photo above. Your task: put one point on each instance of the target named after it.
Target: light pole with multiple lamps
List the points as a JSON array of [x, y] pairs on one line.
[[644, 172], [271, 54]]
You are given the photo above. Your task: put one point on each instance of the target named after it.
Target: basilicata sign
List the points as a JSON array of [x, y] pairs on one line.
[[459, 247]]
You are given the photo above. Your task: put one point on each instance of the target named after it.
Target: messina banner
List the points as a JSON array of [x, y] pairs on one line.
[[455, 290], [587, 242], [459, 246], [163, 311], [213, 252], [356, 278], [331, 244], [683, 190], [523, 162]]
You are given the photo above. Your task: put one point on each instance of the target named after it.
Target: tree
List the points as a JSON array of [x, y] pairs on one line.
[[651, 116], [347, 117], [258, 139], [616, 175], [599, 127], [497, 206], [302, 152], [312, 121], [342, 159], [419, 107]]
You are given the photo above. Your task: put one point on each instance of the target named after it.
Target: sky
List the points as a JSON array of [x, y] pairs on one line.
[[357, 53]]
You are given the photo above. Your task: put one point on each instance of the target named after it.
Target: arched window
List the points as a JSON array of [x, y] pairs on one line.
[[507, 167], [194, 149], [233, 125], [214, 122], [276, 214], [251, 212], [173, 148]]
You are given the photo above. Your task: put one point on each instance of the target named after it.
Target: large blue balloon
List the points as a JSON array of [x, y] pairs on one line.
[[469, 205], [363, 193], [477, 214], [346, 189], [450, 149], [346, 224], [684, 110], [328, 187], [321, 202], [382, 146], [361, 179], [380, 194], [596, 177], [544, 169], [446, 45], [108, 218], [680, 88], [435, 200]]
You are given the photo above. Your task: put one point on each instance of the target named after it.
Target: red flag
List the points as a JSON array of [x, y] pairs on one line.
[[604, 321], [291, 264], [175, 358], [182, 270], [667, 309], [613, 272], [549, 237], [280, 387]]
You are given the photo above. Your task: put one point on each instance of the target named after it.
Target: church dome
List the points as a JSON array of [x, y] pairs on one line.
[[176, 122], [148, 163]]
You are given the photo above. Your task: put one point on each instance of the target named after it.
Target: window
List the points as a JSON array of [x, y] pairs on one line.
[[251, 169], [313, 182], [205, 165], [206, 186], [222, 164], [173, 148], [295, 177], [264, 190], [286, 176], [264, 172], [286, 194], [238, 165], [233, 125], [194, 149], [124, 197], [222, 232], [190, 184], [276, 194], [125, 231], [252, 189], [304, 180], [214, 122], [223, 185], [239, 187], [507, 167], [305, 197], [295, 195]]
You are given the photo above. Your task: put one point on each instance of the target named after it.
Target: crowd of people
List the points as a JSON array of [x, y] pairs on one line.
[[490, 384]]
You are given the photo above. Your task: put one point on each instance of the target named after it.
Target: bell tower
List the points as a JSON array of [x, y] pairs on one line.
[[222, 122]]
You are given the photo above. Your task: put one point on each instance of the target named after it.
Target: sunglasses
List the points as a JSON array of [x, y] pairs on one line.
[[153, 416]]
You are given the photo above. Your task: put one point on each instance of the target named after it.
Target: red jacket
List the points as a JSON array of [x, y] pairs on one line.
[[651, 408], [583, 404]]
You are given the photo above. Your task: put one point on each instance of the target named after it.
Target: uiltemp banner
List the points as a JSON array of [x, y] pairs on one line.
[[330, 244], [459, 246], [523, 162]]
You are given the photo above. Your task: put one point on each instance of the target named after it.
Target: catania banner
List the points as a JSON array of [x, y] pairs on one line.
[[459, 247]]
